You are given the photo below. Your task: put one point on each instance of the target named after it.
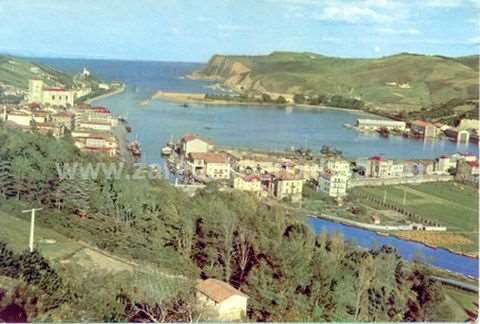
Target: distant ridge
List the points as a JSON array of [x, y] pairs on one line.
[[400, 82]]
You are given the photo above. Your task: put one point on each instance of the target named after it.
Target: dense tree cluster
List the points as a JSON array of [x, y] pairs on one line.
[[289, 273]]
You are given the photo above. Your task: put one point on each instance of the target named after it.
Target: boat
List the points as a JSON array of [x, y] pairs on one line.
[[384, 132], [123, 119], [166, 150], [185, 105], [135, 149]]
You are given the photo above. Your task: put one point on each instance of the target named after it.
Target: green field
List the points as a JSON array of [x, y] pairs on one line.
[[15, 229], [458, 301], [449, 204]]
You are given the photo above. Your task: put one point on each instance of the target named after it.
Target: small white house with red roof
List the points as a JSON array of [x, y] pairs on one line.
[[228, 303], [194, 144]]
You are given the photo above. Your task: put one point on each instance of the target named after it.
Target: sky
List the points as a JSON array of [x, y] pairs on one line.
[[194, 30]]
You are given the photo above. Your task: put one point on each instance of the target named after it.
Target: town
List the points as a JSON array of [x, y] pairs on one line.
[[283, 176], [57, 111]]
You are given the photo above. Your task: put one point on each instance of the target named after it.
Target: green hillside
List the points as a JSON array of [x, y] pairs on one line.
[[399, 82], [16, 72]]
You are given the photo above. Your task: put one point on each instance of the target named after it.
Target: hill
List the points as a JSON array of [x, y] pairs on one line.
[[402, 82], [15, 73]]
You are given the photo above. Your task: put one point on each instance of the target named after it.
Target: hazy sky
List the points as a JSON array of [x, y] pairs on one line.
[[193, 30]]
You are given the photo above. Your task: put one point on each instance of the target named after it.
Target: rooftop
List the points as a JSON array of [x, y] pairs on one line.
[[191, 137], [376, 158], [218, 290], [210, 157]]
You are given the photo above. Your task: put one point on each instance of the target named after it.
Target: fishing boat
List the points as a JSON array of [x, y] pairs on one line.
[[384, 132], [135, 149], [166, 150]]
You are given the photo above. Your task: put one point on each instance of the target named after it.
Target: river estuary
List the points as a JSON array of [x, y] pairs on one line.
[[273, 128]]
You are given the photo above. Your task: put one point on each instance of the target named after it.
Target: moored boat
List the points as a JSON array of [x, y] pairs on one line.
[[166, 150]]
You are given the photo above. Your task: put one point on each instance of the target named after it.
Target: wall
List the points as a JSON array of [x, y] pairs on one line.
[[357, 182]]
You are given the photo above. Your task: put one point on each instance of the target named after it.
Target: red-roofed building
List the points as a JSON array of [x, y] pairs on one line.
[[211, 165], [250, 183], [424, 128], [225, 302], [194, 144], [467, 171], [54, 96]]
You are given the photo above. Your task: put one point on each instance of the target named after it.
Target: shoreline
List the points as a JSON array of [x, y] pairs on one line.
[[365, 226], [199, 98], [106, 95]]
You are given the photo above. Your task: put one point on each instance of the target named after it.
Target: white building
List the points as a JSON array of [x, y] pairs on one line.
[[194, 144], [373, 124], [211, 165], [39, 93], [334, 185], [226, 302], [334, 179]]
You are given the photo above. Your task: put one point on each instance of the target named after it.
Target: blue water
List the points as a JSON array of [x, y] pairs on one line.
[[274, 128], [408, 250]]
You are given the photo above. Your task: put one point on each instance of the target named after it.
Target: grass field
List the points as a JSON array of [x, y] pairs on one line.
[[448, 204], [458, 301], [15, 229]]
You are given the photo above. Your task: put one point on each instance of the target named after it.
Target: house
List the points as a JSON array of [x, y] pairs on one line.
[[55, 96], [257, 164], [333, 184], [64, 119], [194, 144], [250, 183], [467, 171], [228, 303], [466, 124], [333, 180], [378, 167], [209, 164], [50, 128], [308, 170], [442, 164], [18, 118], [287, 186], [96, 125], [424, 128]]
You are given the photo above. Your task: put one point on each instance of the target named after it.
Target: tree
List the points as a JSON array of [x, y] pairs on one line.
[[299, 99], [266, 97], [281, 100]]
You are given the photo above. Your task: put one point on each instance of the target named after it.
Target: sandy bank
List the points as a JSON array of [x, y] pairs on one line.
[[105, 95], [199, 98]]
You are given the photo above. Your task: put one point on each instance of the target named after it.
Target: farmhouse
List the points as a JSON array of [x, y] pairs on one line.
[[228, 303]]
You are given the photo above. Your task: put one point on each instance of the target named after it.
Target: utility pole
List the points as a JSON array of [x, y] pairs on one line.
[[32, 225], [384, 196], [404, 197]]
